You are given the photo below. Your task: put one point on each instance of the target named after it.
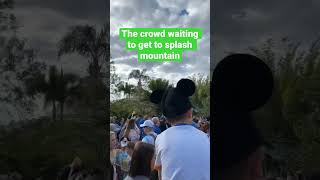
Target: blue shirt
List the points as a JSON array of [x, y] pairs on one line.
[[156, 129], [149, 139]]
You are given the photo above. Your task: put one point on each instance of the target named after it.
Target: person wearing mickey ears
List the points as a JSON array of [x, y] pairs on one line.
[[241, 84], [182, 151]]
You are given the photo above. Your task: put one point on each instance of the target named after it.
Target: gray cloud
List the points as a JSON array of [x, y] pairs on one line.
[[161, 13], [80, 9], [45, 23], [239, 24]]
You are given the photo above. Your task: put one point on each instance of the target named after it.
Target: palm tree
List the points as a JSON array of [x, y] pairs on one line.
[[48, 87], [159, 83], [140, 76], [126, 88], [67, 87], [57, 88], [86, 41]]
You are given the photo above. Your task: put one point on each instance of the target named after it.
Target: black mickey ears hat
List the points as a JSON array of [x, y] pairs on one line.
[[241, 83], [174, 101]]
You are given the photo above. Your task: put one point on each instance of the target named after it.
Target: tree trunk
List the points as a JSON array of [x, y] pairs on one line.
[[61, 110], [95, 68], [54, 110]]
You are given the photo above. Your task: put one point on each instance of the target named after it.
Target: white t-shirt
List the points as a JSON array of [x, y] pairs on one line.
[[184, 153]]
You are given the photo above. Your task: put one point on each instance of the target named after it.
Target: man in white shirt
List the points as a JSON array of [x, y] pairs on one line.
[[182, 151]]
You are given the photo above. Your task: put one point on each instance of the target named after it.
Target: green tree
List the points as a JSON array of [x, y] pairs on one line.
[[8, 20], [57, 89], [67, 88], [86, 41], [159, 83], [201, 97], [115, 80], [292, 112], [17, 64], [126, 88], [140, 76]]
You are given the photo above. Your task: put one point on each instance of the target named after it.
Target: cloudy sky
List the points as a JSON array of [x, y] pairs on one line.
[[161, 13], [235, 25], [239, 24], [45, 22]]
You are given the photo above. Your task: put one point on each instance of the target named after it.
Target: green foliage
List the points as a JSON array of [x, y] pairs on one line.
[[92, 98], [126, 88], [141, 104], [293, 111], [18, 64], [159, 83], [8, 20], [42, 149], [124, 107], [201, 97], [140, 76], [59, 87], [86, 41]]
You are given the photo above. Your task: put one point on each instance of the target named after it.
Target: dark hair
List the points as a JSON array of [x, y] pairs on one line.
[[131, 145], [141, 159], [130, 125], [178, 118]]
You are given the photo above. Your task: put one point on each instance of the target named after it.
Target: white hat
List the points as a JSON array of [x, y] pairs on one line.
[[147, 123]]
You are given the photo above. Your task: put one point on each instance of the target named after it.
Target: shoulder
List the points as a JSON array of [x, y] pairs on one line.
[[145, 138]]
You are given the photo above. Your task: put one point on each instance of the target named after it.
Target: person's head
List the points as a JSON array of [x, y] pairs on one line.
[[131, 124], [175, 102], [185, 117], [195, 120], [156, 121], [147, 126], [113, 140], [76, 163], [141, 160], [203, 125], [241, 84], [130, 148]]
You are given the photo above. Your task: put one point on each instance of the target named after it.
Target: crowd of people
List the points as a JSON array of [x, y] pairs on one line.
[[172, 146], [176, 146], [132, 143]]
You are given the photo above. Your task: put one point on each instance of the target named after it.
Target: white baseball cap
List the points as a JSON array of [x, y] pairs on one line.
[[147, 123]]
